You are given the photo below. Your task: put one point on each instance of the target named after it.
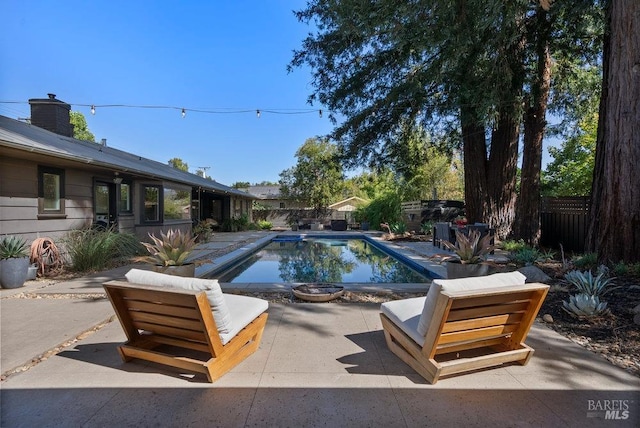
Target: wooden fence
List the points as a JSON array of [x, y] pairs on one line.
[[564, 221]]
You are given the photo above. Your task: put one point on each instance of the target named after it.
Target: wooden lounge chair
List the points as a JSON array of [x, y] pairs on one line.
[[464, 324], [177, 327]]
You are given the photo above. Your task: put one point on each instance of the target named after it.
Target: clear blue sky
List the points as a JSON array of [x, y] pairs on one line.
[[210, 55]]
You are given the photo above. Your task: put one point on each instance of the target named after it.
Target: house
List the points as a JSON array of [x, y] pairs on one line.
[[344, 209], [271, 198], [51, 183]]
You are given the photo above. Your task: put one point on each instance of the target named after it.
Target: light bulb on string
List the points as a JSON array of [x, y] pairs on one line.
[[258, 113], [184, 113], [320, 113], [93, 109]]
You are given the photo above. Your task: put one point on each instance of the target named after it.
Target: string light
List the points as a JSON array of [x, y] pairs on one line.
[[183, 110], [320, 113]]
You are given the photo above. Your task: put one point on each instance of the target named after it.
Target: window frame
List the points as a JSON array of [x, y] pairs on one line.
[[129, 184], [44, 213], [143, 218]]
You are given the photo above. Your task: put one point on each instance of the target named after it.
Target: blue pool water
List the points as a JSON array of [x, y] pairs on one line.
[[321, 260]]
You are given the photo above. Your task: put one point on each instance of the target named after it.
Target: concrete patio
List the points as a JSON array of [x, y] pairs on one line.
[[318, 365]]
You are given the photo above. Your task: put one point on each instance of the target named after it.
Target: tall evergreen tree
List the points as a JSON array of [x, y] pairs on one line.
[[614, 226]]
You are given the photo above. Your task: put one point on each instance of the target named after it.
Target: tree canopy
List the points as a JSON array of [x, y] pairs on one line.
[[317, 177], [571, 171], [178, 163], [470, 71], [80, 128]]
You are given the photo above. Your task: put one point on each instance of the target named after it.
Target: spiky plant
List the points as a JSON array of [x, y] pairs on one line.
[[471, 249], [588, 284], [12, 247], [584, 306], [171, 249]]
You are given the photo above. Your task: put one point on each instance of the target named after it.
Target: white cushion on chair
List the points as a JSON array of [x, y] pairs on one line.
[[221, 313], [244, 309], [405, 314], [463, 284]]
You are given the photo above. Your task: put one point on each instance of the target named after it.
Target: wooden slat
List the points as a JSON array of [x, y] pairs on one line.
[[172, 331], [181, 343], [178, 311], [182, 323], [484, 361], [457, 347], [482, 322], [189, 364], [487, 311], [467, 302], [476, 334]]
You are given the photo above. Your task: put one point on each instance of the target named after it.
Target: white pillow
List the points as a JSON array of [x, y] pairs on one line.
[[463, 284], [211, 287]]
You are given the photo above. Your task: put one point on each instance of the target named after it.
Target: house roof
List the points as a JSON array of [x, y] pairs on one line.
[[352, 201], [23, 136], [265, 192]]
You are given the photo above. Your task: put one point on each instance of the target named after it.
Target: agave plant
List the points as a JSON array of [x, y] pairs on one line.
[[12, 247], [588, 284], [584, 306], [470, 249], [171, 249]]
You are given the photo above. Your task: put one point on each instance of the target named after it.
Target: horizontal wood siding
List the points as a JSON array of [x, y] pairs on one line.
[[19, 201]]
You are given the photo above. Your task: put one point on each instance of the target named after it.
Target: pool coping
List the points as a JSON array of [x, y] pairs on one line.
[[405, 254]]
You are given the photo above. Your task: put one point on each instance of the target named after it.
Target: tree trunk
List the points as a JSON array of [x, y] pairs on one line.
[[614, 223], [527, 225], [475, 167], [501, 172]]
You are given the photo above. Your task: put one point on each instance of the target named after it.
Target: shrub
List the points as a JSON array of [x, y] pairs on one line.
[[91, 249], [202, 231], [265, 225], [383, 209], [586, 261], [513, 246], [427, 227], [526, 256], [398, 227]]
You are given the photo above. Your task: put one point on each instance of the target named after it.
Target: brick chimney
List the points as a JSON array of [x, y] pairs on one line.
[[51, 114]]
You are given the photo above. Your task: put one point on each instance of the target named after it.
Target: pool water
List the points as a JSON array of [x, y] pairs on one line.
[[321, 260]]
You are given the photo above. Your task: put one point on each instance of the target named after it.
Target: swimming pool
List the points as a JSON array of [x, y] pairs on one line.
[[316, 259]]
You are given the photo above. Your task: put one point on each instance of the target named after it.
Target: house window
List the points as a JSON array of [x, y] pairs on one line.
[[281, 205], [151, 204], [125, 198], [177, 204], [50, 192]]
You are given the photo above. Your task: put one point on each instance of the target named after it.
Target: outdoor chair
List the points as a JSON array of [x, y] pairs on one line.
[[186, 323], [464, 324], [443, 232]]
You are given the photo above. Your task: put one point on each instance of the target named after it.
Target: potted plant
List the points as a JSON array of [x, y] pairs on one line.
[[168, 254], [471, 255], [14, 262], [203, 231]]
